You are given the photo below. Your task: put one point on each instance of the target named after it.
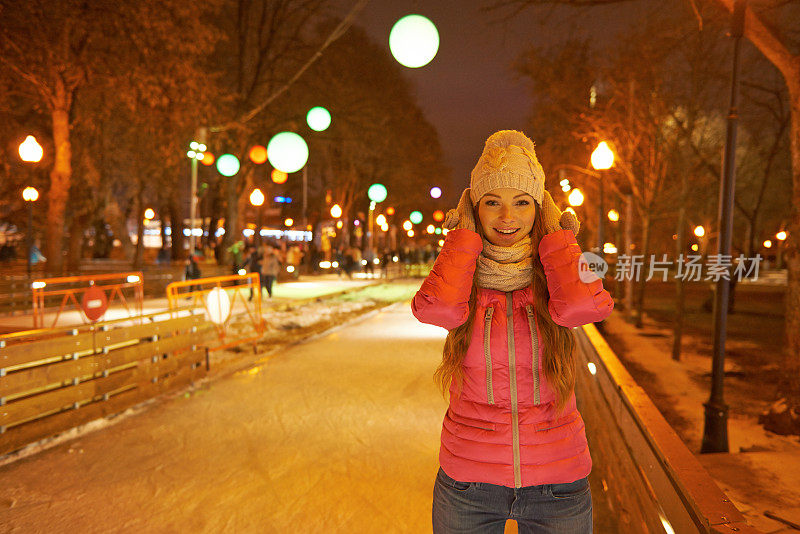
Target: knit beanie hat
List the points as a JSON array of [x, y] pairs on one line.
[[508, 160]]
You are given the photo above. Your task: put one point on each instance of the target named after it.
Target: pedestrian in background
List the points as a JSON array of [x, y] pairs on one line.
[[253, 265], [506, 285], [192, 271], [237, 253], [270, 267]]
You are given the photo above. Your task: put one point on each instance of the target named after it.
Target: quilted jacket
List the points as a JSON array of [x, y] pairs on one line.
[[502, 428]]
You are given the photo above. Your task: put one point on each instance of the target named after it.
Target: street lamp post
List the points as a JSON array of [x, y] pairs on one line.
[[30, 151], [30, 195], [197, 148], [602, 159], [715, 429], [376, 193]]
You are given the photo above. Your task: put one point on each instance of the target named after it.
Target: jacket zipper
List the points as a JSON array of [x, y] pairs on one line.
[[535, 346], [487, 353], [512, 373]]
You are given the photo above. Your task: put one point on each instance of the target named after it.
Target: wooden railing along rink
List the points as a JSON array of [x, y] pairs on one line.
[[644, 479], [55, 379]]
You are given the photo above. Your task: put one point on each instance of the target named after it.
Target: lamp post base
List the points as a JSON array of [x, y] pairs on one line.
[[715, 432]]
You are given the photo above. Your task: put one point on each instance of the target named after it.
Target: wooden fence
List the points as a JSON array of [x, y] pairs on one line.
[[54, 380]]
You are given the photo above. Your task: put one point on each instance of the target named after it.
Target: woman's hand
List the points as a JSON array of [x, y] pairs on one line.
[[462, 216], [554, 219]]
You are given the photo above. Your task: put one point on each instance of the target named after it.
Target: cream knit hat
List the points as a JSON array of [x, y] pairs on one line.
[[508, 160]]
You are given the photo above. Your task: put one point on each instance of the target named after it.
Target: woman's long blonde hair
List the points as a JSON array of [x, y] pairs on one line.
[[558, 341]]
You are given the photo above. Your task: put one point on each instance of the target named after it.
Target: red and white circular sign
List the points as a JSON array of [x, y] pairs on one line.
[[94, 303]]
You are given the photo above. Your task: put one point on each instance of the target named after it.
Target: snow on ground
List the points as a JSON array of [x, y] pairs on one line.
[[761, 474]]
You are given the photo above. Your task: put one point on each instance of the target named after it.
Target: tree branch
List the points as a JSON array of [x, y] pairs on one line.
[[334, 35]]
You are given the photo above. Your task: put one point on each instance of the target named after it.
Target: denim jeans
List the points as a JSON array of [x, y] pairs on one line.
[[477, 507]]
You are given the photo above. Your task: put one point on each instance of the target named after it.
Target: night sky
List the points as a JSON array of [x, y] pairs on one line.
[[469, 90]]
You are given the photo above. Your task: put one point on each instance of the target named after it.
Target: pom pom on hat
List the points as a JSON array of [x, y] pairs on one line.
[[508, 160], [507, 138]]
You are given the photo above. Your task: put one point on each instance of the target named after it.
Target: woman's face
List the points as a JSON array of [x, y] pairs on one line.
[[506, 215]]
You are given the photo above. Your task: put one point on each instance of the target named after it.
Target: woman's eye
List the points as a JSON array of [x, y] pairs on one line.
[[523, 203], [491, 203]]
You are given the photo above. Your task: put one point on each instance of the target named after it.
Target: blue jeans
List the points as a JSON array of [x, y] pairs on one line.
[[477, 507]]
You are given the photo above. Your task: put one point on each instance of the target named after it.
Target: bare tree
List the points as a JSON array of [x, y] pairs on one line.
[[769, 26]]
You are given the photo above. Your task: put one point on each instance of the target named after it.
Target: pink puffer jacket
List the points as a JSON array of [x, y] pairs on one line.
[[503, 429]]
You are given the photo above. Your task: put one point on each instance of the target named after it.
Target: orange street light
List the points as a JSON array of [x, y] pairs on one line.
[[30, 150]]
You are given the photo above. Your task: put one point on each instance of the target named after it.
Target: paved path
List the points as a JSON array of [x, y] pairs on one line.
[[339, 434]]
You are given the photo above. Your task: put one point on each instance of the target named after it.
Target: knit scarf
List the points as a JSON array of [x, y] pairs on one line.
[[505, 268]]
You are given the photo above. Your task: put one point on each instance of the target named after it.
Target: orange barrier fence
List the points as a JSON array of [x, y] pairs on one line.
[[66, 292], [226, 300]]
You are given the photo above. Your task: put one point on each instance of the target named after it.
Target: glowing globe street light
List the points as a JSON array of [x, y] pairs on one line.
[[30, 194], [415, 217], [149, 214], [30, 151], [699, 231], [602, 157], [336, 211], [377, 192], [257, 199], [575, 198], [318, 119], [279, 177], [436, 192], [287, 152], [414, 41], [258, 154], [228, 165], [208, 159]]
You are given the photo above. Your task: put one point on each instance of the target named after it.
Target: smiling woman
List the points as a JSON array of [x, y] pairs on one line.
[[506, 215], [506, 287]]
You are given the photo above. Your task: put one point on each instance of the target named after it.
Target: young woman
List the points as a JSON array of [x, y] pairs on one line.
[[506, 286]]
